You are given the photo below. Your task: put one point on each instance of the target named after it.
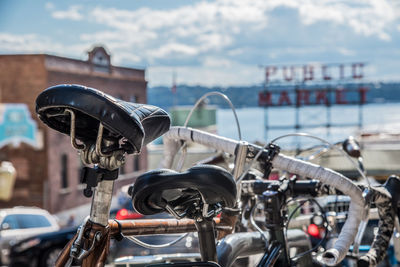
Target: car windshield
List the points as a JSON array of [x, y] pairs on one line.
[[23, 221]]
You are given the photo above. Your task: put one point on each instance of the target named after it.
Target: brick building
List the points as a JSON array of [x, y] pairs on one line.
[[48, 174]]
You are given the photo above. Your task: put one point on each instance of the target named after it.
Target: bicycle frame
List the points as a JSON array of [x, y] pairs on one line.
[[145, 227]]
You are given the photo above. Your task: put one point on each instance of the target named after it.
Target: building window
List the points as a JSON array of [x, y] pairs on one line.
[[120, 96], [64, 171], [101, 62], [133, 99], [136, 166]]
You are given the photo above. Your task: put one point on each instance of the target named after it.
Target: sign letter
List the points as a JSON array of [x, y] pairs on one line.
[[308, 73], [264, 99], [269, 71]]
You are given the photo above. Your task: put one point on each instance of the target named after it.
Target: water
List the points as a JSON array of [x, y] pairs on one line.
[[375, 118]]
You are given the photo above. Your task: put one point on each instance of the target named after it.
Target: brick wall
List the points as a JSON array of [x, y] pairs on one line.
[[22, 78]]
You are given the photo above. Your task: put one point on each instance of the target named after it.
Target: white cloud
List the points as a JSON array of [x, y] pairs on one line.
[[49, 6], [120, 58], [73, 13], [207, 39], [214, 62], [175, 48], [367, 18], [33, 43], [234, 74], [23, 43], [346, 52], [209, 27]]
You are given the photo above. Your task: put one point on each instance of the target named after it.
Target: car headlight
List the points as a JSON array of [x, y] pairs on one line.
[[27, 244]]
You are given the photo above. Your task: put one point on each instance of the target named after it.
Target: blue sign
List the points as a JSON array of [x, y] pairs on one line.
[[17, 126]]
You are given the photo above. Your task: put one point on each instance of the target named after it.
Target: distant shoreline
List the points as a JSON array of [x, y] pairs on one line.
[[247, 96]]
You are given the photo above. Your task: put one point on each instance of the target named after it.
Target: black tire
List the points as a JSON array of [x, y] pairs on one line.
[[49, 257]]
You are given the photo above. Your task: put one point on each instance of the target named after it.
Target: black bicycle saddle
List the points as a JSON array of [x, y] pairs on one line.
[[153, 190], [139, 124]]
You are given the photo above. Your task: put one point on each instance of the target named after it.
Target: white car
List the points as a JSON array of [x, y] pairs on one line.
[[22, 222]]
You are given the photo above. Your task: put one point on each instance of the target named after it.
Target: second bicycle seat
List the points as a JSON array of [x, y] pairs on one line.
[[138, 124], [167, 190]]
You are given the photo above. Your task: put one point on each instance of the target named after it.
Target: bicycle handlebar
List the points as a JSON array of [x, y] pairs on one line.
[[357, 205]]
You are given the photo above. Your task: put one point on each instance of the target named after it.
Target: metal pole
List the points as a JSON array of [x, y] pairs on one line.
[[101, 202], [205, 230]]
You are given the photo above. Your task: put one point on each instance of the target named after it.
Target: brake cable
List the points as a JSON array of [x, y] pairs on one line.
[[224, 97], [330, 146], [153, 246]]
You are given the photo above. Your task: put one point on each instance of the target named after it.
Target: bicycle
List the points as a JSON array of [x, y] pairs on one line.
[[109, 128], [385, 199]]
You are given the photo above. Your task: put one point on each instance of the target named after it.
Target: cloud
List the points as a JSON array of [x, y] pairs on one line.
[[368, 18], [33, 43], [205, 28], [175, 48], [346, 52], [72, 13], [49, 6], [206, 39], [213, 75]]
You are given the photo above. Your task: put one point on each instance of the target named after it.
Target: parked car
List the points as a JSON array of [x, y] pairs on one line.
[[22, 222], [42, 250]]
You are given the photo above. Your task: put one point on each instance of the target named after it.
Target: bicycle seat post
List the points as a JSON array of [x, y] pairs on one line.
[[101, 202], [205, 231], [102, 176]]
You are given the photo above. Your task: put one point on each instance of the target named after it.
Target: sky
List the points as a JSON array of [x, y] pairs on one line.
[[211, 43]]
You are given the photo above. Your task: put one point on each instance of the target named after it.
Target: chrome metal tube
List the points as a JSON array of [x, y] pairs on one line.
[[101, 202], [239, 245], [240, 160]]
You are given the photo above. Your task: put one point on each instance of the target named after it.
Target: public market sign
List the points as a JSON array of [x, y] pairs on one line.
[[314, 72], [17, 126], [325, 90]]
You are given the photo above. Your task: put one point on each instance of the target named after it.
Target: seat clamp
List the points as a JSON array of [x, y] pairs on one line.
[[92, 176]]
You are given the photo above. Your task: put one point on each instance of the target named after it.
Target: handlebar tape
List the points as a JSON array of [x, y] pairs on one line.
[[356, 210], [357, 205]]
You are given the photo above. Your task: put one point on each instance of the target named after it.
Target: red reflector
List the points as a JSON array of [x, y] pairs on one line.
[[313, 230], [124, 214]]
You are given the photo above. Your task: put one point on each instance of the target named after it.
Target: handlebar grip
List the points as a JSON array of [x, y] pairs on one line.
[[357, 205], [306, 187], [299, 187]]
